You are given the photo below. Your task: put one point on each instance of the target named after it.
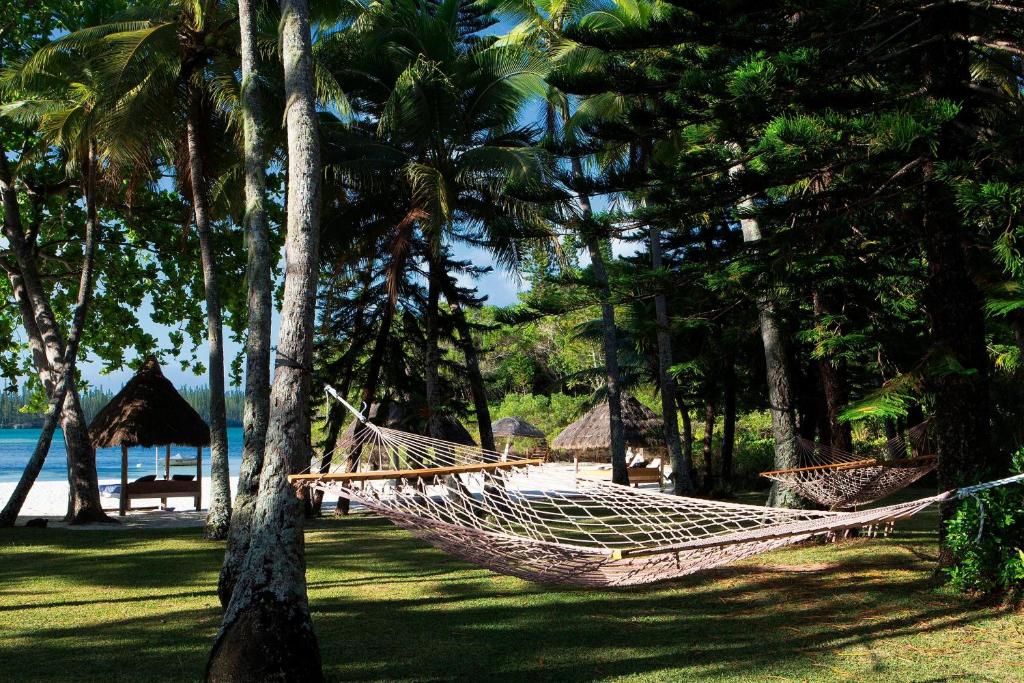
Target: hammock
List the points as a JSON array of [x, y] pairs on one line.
[[839, 479], [518, 517]]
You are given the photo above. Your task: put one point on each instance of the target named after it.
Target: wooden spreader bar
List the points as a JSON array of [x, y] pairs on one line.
[[421, 473], [857, 464]]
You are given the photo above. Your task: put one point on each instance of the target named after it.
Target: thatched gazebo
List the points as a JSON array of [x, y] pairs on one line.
[[592, 434], [150, 412], [516, 427], [512, 428]]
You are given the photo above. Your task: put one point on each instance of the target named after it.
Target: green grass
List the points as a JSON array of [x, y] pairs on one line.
[[133, 606]]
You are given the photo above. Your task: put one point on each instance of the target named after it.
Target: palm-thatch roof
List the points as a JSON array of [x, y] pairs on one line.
[[516, 427], [642, 428], [392, 415], [148, 411]]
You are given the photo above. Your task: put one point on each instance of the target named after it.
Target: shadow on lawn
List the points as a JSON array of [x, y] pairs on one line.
[[736, 621], [387, 606]]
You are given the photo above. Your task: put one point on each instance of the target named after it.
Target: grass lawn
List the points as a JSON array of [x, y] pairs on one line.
[[137, 605]]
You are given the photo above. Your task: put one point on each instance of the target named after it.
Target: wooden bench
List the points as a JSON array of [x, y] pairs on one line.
[[162, 489], [637, 475]]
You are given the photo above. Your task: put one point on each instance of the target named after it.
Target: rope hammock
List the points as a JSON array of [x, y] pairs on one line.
[[516, 517], [839, 479]]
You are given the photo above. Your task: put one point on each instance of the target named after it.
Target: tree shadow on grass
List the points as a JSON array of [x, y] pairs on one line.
[[387, 606], [743, 621]]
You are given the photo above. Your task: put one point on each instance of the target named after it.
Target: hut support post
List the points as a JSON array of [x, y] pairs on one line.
[[199, 477], [123, 506], [167, 471]]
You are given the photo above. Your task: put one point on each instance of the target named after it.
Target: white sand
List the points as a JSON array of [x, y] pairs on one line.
[[49, 499]]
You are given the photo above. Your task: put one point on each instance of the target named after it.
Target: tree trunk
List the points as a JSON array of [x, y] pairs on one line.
[[681, 483], [952, 300], [684, 412], [256, 411], [49, 352], [610, 341], [432, 354], [834, 388], [267, 632], [218, 518], [610, 345], [728, 421], [380, 345], [709, 436], [476, 379], [780, 391], [1017, 323], [66, 380]]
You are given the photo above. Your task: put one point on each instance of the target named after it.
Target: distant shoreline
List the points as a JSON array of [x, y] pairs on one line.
[[39, 424]]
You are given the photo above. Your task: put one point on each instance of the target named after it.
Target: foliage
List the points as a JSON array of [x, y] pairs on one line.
[[551, 414], [986, 539]]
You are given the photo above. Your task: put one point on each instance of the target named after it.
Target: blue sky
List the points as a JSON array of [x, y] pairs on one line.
[[501, 288]]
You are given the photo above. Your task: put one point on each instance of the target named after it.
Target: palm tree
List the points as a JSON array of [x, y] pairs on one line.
[[267, 631], [169, 74], [444, 111], [56, 93], [257, 341]]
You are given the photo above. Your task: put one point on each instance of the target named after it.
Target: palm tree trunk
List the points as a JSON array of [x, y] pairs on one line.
[[218, 517], [267, 631], [610, 344], [256, 411], [9, 515], [780, 386], [49, 352], [432, 354], [475, 377], [681, 484]]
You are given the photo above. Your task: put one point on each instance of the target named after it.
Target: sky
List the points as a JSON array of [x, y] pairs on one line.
[[501, 289]]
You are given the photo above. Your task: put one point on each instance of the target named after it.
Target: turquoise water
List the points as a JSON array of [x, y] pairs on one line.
[[16, 446]]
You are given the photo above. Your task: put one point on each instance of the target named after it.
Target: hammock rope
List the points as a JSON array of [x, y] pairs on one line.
[[839, 479], [539, 523]]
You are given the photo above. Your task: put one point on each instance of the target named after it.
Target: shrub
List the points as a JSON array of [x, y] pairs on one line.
[[986, 538]]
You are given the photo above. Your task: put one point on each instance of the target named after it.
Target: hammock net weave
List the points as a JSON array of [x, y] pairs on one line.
[[520, 518], [839, 479]]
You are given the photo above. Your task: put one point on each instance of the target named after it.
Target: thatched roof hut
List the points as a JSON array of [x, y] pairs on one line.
[[396, 418], [642, 428], [516, 427], [148, 411]]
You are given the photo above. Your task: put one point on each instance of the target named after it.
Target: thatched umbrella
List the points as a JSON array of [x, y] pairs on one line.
[[148, 412], [511, 428], [640, 425], [514, 427]]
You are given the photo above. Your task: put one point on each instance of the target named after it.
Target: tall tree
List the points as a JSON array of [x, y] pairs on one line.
[[267, 631], [257, 342], [166, 69]]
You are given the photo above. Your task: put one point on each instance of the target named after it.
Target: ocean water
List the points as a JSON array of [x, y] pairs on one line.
[[16, 446]]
